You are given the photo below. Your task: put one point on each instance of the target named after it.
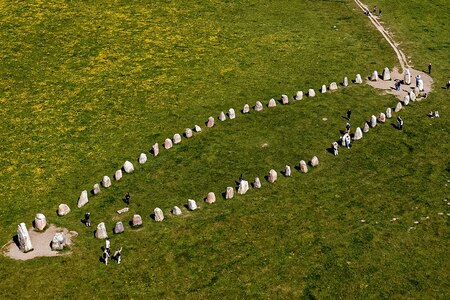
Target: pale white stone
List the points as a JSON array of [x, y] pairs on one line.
[[100, 233], [176, 138], [229, 194], [272, 103], [63, 209], [284, 99], [106, 181], [197, 128], [416, 91], [366, 127], [40, 221], [222, 116], [406, 100], [311, 93], [303, 166], [243, 187], [358, 134], [210, 122], [168, 144], [412, 96], [398, 107], [24, 238], [298, 95], [388, 113], [137, 220], [159, 215], [373, 121], [420, 84], [210, 198], [257, 183], [382, 118], [345, 83], [258, 106], [118, 174], [344, 138], [323, 89], [358, 79], [231, 113], [246, 109], [176, 211], [118, 228], [128, 167], [374, 76], [287, 171], [58, 241], [273, 175], [407, 77], [386, 74], [83, 199], [192, 205], [188, 132], [96, 189], [142, 158], [333, 86], [314, 161], [123, 210]]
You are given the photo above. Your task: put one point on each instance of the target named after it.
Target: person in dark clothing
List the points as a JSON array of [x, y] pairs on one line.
[[127, 198], [349, 114], [399, 122], [87, 219], [379, 13], [429, 68]]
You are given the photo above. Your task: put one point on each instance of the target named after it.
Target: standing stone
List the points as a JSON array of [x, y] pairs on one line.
[[299, 95], [272, 103], [257, 183], [192, 205], [243, 187], [412, 96], [63, 209], [176, 211], [229, 194], [323, 89], [188, 132], [118, 228], [398, 107], [142, 158], [40, 221], [386, 74], [222, 116], [177, 138], [273, 175], [406, 100], [373, 121], [96, 189], [106, 181], [83, 199], [246, 109], [210, 198], [314, 161], [311, 93], [258, 106], [358, 79], [197, 128], [100, 233], [366, 127], [374, 76], [128, 167], [345, 83], [24, 238], [388, 113], [136, 221], [118, 174], [58, 241], [382, 118], [303, 167], [159, 215], [210, 122], [155, 149], [287, 171], [333, 86], [420, 84], [416, 91], [231, 114], [168, 144], [358, 134], [284, 99], [407, 77]]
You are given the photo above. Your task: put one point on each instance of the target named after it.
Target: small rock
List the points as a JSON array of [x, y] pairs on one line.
[[168, 144], [323, 89], [210, 198], [40, 221], [257, 183], [374, 76], [136, 221], [100, 233], [188, 133], [284, 99], [358, 79], [222, 116], [388, 113], [358, 134], [118, 174], [159, 215], [197, 128], [398, 107], [345, 83], [118, 228], [382, 118], [229, 194], [298, 95], [311, 93], [333, 86], [386, 74], [363, 221], [63, 209], [366, 127], [128, 167], [246, 109], [142, 158], [231, 114], [243, 187], [416, 222], [314, 161], [192, 205], [272, 103], [176, 211], [58, 241], [24, 238], [373, 121], [106, 181], [287, 171], [176, 138], [83, 199], [210, 122], [303, 167], [258, 106], [96, 189], [123, 210], [272, 177]]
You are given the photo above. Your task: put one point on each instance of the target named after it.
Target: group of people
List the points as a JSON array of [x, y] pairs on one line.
[[107, 253]]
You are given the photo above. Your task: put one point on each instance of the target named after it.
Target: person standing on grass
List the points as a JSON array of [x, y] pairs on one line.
[[429, 68], [127, 198], [349, 114], [335, 148], [399, 122], [448, 85], [105, 257], [379, 13], [347, 128], [108, 245], [87, 219]]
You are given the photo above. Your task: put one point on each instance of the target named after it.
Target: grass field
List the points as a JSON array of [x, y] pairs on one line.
[[86, 85]]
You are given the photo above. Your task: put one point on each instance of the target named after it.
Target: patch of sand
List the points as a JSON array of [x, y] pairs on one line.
[[41, 242]]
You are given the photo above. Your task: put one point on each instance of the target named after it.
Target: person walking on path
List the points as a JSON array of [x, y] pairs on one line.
[[429, 68], [349, 114], [399, 122]]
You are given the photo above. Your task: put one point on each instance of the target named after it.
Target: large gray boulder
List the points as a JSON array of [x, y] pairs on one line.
[[323, 90], [382, 118], [96, 189], [118, 174], [83, 199], [142, 158], [345, 83], [100, 232], [258, 106], [272, 103], [303, 166], [176, 211], [128, 167], [398, 107], [314, 161], [406, 100], [412, 96], [58, 241], [159, 215], [373, 121], [358, 79], [273, 175], [257, 183], [284, 99], [136, 221], [231, 113], [386, 74], [106, 181], [333, 86], [416, 91], [407, 77], [287, 171], [40, 221], [311, 93], [222, 116], [188, 133], [374, 76], [168, 144], [388, 113], [192, 205], [210, 122], [366, 127], [420, 85], [210, 198], [246, 109], [229, 194], [63, 209], [243, 187], [298, 95], [155, 149], [24, 238], [358, 134], [176, 138], [118, 228]]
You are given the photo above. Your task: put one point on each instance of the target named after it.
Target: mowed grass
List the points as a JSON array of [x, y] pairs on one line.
[[86, 86]]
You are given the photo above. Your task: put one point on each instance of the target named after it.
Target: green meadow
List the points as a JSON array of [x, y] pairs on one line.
[[87, 85]]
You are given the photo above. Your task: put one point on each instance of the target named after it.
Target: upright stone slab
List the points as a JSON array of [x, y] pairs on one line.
[[382, 118], [168, 144], [210, 122], [366, 127], [106, 181], [406, 100], [231, 114], [258, 106], [188, 133], [273, 175], [345, 83], [412, 96], [118, 228], [374, 76], [142, 158], [118, 174], [358, 79], [358, 134], [246, 109], [58, 241], [24, 238], [373, 121], [284, 99], [222, 116], [257, 183], [311, 93], [63, 209], [128, 167], [314, 161], [398, 107], [272, 103], [192, 205], [155, 149], [303, 166], [83, 199], [40, 221], [298, 95], [229, 194], [197, 128], [386, 74], [243, 187], [287, 171], [407, 77], [136, 221], [388, 113], [210, 198], [176, 138], [176, 211], [100, 232], [159, 215], [96, 189], [420, 85], [323, 89], [333, 86]]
